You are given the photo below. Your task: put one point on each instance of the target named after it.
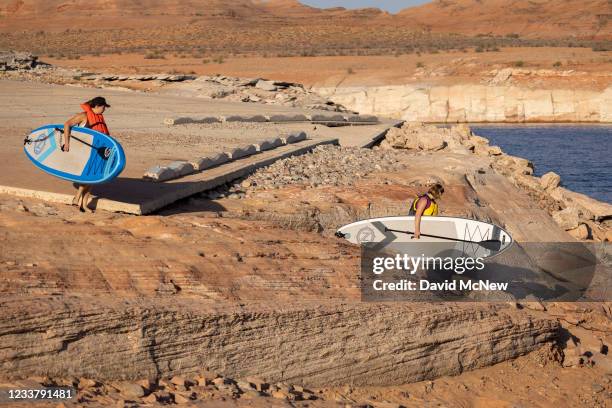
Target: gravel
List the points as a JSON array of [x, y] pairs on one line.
[[325, 166]]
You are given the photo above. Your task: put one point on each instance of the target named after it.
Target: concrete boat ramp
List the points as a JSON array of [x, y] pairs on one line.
[[143, 123]]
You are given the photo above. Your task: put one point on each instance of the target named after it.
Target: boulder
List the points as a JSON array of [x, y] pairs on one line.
[[129, 391], [596, 210], [550, 180], [462, 131], [177, 380], [494, 151], [568, 219], [580, 232], [527, 181], [416, 137], [266, 85], [479, 140]]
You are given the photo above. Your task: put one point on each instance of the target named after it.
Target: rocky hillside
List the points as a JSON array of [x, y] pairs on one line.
[[527, 19], [540, 18]]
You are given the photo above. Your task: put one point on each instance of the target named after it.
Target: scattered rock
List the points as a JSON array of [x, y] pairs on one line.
[[580, 232], [414, 136], [550, 180], [150, 399], [129, 391], [181, 399], [568, 219], [266, 85], [86, 383], [177, 380], [533, 303], [18, 61]]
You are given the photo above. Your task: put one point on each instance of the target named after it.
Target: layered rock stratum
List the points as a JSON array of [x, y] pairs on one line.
[[476, 103]]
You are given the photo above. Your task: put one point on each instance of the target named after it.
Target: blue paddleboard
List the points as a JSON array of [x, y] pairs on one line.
[[93, 157]]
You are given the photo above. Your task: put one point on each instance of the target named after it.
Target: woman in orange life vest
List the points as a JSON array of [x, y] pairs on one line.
[[92, 117], [427, 205]]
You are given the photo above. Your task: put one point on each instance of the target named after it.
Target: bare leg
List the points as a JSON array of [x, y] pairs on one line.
[[86, 199], [79, 195]]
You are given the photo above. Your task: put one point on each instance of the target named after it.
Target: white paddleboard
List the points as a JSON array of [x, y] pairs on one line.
[[480, 238]]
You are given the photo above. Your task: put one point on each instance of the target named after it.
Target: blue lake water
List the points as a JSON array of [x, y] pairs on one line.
[[581, 155]]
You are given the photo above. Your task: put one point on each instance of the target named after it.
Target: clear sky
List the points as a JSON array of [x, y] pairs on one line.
[[390, 5]]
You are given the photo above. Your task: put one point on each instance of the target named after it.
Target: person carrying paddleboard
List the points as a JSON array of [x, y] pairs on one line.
[[92, 117], [427, 205]]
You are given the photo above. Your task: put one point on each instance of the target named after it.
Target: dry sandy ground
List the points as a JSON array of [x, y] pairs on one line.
[[591, 69]]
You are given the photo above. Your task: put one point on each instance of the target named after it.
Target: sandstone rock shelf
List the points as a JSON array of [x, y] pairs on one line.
[[476, 103], [361, 344]]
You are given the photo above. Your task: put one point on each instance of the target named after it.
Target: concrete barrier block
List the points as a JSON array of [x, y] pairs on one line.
[[289, 118], [362, 118], [246, 118], [294, 137], [181, 168], [183, 120], [207, 119], [270, 144], [176, 121], [328, 118], [207, 162], [241, 152], [159, 174]]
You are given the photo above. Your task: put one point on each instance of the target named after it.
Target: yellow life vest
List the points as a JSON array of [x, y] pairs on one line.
[[430, 209]]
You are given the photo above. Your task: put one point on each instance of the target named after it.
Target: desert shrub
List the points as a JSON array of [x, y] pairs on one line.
[[602, 47], [420, 65], [519, 64], [557, 64], [350, 71], [154, 55]]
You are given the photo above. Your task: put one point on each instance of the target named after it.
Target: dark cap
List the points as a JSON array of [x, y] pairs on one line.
[[98, 101]]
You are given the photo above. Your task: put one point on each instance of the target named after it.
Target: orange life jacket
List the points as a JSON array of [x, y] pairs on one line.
[[95, 121]]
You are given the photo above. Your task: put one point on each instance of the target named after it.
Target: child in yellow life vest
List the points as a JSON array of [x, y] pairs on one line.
[[427, 205]]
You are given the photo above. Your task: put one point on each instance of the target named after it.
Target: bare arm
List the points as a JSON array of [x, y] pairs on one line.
[[420, 208], [73, 121]]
